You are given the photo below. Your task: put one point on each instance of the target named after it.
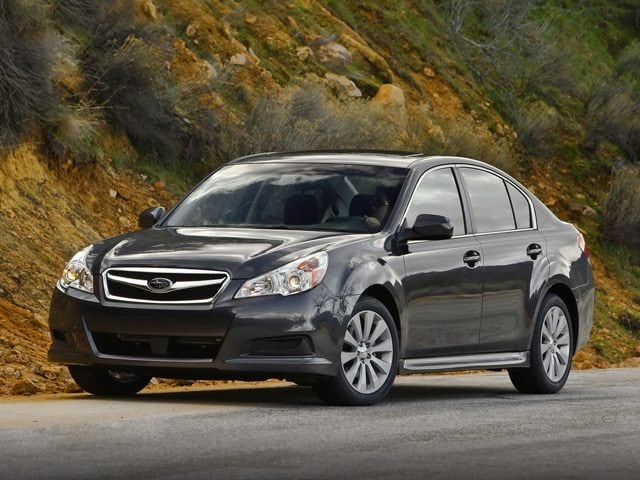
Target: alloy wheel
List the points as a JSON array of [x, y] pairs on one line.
[[367, 352], [555, 345]]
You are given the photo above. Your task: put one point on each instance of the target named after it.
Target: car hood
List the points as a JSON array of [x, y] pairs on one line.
[[243, 253]]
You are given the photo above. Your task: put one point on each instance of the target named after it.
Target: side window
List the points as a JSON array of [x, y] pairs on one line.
[[437, 193], [521, 210], [489, 201]]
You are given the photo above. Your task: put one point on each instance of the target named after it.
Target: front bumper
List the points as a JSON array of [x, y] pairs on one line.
[[261, 337]]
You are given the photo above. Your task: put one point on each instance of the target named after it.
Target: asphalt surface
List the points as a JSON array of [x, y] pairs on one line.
[[438, 426]]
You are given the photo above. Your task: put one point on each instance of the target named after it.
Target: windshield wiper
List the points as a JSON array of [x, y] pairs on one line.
[[264, 226]]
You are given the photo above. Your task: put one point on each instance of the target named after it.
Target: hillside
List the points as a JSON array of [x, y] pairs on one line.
[[109, 107]]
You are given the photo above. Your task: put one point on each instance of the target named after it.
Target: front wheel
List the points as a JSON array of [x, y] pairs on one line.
[[108, 382], [551, 350], [368, 358]]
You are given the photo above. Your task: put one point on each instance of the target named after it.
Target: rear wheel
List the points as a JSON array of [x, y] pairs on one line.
[[368, 358], [551, 350], [108, 382]]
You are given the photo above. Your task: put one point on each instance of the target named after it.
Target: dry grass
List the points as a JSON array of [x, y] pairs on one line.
[[77, 12], [308, 117], [512, 52], [537, 127], [458, 137], [124, 64], [613, 114], [26, 92], [621, 216], [74, 134]]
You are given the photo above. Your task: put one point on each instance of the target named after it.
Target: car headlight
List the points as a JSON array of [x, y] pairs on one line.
[[295, 277], [76, 273]]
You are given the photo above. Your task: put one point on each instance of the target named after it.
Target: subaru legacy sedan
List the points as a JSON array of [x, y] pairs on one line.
[[335, 270]]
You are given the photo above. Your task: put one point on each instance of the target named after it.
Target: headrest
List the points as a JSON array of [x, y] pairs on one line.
[[360, 204], [301, 209]]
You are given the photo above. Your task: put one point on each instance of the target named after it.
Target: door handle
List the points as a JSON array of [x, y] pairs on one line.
[[534, 250], [471, 258]]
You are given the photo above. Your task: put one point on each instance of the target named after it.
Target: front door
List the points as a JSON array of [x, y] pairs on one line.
[[443, 282]]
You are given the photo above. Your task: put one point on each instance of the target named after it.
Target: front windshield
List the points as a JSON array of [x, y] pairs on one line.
[[349, 198]]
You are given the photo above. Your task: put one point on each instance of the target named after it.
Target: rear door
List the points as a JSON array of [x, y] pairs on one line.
[[515, 263], [443, 283]]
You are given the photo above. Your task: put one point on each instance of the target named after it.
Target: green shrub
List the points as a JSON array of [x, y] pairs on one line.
[[628, 62], [613, 114], [199, 133], [80, 13], [630, 322], [74, 134], [511, 50], [124, 80], [124, 64], [621, 216], [26, 92], [537, 127]]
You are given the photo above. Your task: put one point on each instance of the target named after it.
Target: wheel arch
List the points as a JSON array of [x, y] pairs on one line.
[[383, 295]]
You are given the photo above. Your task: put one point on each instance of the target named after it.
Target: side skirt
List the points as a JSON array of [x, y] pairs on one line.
[[465, 362]]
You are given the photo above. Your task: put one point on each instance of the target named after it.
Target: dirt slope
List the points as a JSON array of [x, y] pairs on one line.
[[46, 214]]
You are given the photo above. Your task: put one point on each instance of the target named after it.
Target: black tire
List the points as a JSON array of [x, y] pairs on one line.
[[111, 383], [338, 390], [535, 378]]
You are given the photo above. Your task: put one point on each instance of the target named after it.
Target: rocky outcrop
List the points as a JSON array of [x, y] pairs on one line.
[[25, 387], [348, 86], [390, 99], [332, 54], [147, 9]]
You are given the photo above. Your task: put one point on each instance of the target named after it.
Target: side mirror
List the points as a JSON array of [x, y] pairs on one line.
[[150, 217], [429, 227]]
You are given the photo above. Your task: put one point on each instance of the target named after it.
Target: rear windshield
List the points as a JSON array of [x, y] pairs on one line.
[[349, 198]]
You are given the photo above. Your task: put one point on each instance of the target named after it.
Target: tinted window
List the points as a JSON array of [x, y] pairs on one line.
[[336, 197], [520, 207], [489, 201], [437, 194]]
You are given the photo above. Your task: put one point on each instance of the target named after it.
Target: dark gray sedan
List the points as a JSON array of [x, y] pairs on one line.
[[337, 270]]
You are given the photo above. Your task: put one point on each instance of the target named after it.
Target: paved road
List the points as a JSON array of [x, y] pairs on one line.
[[463, 426]]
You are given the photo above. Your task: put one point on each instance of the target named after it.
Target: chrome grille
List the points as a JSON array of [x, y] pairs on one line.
[[177, 286]]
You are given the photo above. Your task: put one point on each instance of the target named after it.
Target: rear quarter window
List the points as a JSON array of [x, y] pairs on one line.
[[521, 209]]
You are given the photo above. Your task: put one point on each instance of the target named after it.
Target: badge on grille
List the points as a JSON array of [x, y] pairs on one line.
[[159, 284]]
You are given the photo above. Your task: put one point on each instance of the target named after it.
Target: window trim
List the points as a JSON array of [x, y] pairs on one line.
[[466, 202], [513, 209]]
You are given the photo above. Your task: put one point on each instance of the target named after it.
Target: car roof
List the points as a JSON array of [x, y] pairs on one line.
[[387, 158]]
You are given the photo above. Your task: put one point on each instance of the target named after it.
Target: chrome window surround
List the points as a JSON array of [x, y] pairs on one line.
[[223, 283], [532, 210]]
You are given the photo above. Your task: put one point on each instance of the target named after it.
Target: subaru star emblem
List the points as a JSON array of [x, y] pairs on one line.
[[159, 284]]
